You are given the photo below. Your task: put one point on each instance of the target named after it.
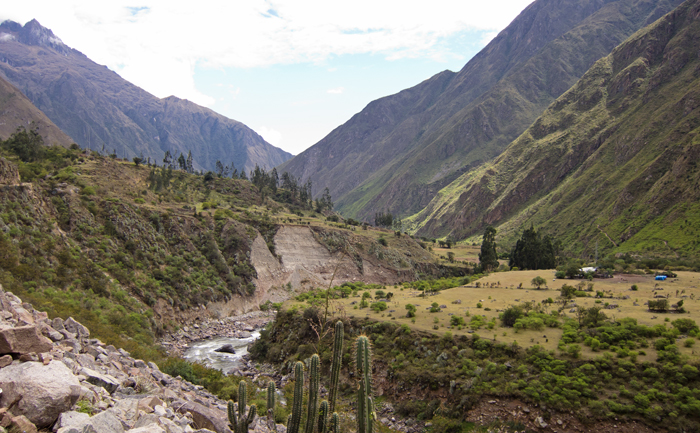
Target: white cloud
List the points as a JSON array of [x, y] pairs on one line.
[[336, 91], [270, 135], [157, 44]]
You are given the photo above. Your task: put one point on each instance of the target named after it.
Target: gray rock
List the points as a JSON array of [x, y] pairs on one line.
[[146, 420], [23, 339], [103, 422], [76, 327], [5, 361], [226, 348], [39, 392], [51, 333], [150, 428], [70, 418], [102, 380], [57, 324], [205, 417]]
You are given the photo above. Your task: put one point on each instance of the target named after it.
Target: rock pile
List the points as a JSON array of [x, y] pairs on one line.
[[54, 376]]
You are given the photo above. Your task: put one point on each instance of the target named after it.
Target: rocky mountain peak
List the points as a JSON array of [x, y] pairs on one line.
[[32, 33]]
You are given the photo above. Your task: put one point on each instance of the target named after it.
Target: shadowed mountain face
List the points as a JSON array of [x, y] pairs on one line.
[[398, 152], [18, 111], [612, 164], [99, 109]]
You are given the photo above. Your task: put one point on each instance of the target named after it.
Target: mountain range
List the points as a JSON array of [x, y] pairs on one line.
[[100, 110], [611, 164], [401, 150]]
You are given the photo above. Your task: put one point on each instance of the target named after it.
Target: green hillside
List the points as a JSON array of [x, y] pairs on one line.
[[401, 150], [611, 164], [134, 250]]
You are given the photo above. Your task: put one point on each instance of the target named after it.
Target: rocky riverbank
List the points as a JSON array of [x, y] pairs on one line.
[[54, 376], [176, 343]]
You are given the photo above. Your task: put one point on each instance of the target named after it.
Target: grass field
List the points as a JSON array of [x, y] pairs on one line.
[[498, 291]]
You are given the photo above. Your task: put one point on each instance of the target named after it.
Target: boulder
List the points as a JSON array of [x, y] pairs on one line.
[[103, 422], [5, 360], [204, 417], [75, 327], [226, 348], [23, 339], [102, 380], [39, 392], [20, 424], [52, 333], [67, 419], [127, 411], [150, 428]]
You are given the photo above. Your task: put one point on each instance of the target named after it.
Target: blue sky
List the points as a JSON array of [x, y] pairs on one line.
[[293, 70]]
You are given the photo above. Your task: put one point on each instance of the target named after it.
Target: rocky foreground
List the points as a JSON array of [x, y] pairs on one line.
[[53, 376]]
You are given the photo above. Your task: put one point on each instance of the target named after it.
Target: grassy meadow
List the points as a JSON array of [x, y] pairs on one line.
[[490, 295]]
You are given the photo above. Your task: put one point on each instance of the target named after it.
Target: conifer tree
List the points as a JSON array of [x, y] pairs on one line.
[[488, 257]]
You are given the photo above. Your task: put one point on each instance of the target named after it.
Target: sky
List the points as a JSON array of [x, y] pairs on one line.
[[292, 70]]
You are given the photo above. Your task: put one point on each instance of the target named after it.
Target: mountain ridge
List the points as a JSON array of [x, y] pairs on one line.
[[609, 164], [461, 130], [101, 110]]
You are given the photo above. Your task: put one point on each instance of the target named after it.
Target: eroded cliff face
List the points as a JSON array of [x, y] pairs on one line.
[[304, 261]]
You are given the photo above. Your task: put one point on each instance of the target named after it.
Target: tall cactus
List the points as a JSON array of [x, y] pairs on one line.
[[365, 406], [314, 382], [295, 417], [241, 423], [323, 417], [271, 407], [312, 406], [335, 423], [335, 366]]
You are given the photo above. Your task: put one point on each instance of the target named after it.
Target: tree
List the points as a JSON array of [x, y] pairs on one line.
[[488, 257], [27, 145], [411, 310], [532, 251], [510, 315], [189, 164], [568, 291], [167, 158], [538, 282]]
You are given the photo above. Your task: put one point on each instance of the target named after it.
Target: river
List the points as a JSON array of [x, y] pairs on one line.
[[203, 352]]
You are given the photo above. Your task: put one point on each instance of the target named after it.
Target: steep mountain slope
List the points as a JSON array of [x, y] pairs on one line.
[[613, 162], [400, 150], [99, 109], [136, 249], [16, 110]]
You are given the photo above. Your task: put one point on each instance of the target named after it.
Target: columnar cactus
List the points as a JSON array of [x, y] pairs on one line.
[[314, 383], [335, 423], [365, 406], [323, 417], [240, 423], [335, 366], [271, 407], [294, 419], [271, 396]]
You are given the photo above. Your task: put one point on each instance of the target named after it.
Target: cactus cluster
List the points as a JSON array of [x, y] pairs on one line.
[[318, 416], [322, 418], [240, 423]]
